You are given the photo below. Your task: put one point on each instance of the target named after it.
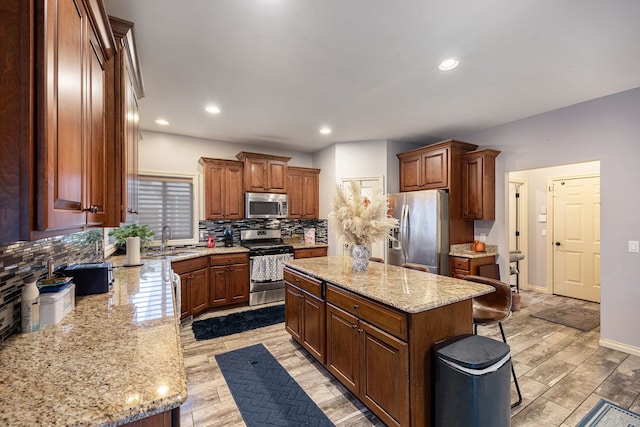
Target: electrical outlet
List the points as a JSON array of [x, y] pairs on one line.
[[634, 246], [544, 232]]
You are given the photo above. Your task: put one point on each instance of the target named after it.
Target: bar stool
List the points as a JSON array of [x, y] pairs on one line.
[[414, 266], [376, 259], [493, 308]]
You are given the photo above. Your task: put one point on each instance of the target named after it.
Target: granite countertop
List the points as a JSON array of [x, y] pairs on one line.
[[115, 358], [464, 250], [407, 290]]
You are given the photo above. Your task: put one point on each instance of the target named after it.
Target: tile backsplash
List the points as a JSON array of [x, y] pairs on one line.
[[20, 259], [287, 228]]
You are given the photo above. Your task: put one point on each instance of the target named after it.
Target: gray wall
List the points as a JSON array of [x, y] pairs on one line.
[[605, 129]]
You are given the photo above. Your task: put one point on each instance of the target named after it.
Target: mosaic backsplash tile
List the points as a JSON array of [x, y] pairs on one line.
[[21, 259], [288, 227]]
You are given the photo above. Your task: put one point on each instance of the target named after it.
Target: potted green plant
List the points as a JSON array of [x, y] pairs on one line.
[[132, 230]]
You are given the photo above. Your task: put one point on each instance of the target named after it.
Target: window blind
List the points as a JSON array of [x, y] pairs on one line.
[[166, 201]]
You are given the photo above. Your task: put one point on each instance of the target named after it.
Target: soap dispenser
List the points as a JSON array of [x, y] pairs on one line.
[[30, 306]]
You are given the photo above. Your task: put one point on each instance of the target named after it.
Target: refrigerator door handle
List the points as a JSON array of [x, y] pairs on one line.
[[404, 230]]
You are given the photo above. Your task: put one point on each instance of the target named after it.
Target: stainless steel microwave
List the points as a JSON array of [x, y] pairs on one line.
[[265, 205]]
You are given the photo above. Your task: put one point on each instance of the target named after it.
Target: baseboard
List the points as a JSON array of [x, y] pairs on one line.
[[620, 347]]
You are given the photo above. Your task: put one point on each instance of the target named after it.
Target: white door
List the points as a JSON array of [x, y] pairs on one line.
[[576, 238], [368, 187]]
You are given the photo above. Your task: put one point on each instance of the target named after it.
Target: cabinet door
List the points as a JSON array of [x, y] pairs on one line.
[[256, 175], [218, 278], [276, 177], [215, 181], [472, 187], [199, 291], [313, 326], [61, 136], [96, 144], [295, 194], [293, 313], [310, 195], [384, 385], [234, 202], [238, 283], [435, 169], [131, 156], [343, 355], [410, 172]]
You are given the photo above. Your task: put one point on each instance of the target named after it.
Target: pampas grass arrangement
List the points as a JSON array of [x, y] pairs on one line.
[[357, 219]]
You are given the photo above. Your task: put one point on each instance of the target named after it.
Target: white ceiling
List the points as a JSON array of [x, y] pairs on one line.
[[281, 69]]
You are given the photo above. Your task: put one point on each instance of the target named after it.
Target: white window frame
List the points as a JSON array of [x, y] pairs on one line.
[[194, 177]]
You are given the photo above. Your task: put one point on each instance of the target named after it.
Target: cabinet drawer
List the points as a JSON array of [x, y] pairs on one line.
[[228, 259], [387, 319], [181, 267], [460, 263], [309, 252], [306, 283]]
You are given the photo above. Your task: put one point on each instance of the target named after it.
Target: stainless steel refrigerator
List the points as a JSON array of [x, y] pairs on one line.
[[423, 233]]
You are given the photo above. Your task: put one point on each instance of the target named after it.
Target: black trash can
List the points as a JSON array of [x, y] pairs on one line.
[[473, 382]]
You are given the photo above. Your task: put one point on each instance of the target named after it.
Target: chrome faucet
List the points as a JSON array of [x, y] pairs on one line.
[[163, 242]]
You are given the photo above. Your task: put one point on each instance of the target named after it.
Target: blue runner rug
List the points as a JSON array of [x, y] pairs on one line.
[[606, 414], [237, 322], [265, 392]]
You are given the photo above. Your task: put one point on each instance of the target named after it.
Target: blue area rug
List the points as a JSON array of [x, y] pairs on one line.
[[265, 392], [237, 322], [607, 414]]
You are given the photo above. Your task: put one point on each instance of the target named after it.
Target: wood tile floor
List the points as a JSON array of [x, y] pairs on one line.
[[562, 372]]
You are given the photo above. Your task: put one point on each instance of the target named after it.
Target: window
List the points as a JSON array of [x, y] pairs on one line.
[[169, 200]]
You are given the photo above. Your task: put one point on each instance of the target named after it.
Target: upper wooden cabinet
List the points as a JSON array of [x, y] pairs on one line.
[[479, 184], [303, 192], [53, 144], [430, 167], [223, 195], [264, 173], [124, 89], [439, 166]]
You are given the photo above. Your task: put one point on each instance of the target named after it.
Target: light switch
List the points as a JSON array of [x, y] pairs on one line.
[[542, 218], [634, 246]]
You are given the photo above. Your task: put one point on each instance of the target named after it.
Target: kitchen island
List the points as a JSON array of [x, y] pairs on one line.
[[374, 330], [114, 359]]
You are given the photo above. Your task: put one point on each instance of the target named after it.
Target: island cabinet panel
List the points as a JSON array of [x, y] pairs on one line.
[[305, 312], [369, 360], [461, 266]]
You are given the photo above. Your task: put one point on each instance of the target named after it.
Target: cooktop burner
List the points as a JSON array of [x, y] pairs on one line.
[[264, 242]]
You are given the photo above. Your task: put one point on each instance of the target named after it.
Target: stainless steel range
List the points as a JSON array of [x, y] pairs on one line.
[[267, 254]]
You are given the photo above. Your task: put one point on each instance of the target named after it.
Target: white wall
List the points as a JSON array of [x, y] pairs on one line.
[[165, 152], [605, 129]]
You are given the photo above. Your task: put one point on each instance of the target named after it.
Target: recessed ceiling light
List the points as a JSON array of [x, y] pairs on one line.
[[162, 122], [213, 109], [325, 130], [448, 64]]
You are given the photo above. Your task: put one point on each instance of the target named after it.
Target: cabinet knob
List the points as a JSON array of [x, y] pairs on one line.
[[355, 306], [353, 326]]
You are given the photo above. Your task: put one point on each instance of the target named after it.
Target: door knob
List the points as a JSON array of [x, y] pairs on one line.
[[557, 243]]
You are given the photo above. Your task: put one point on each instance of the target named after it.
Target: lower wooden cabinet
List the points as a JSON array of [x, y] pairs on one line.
[[370, 363], [305, 312], [461, 266], [228, 279], [309, 252], [194, 285]]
